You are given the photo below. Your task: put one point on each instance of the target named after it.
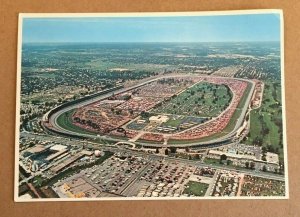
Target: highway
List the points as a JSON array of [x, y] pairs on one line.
[[56, 128]]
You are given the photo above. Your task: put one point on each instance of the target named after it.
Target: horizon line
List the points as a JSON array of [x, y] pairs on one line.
[[107, 42]]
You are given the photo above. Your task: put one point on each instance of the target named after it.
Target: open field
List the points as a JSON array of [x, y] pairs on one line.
[[195, 188], [203, 99], [65, 121], [266, 122], [230, 126]]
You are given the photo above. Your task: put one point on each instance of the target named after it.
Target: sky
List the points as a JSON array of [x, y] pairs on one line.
[[225, 28]]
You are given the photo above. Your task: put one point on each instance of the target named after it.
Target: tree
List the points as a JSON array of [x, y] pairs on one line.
[[197, 156], [145, 114], [281, 167], [247, 164], [264, 168], [131, 111], [173, 149], [252, 165], [270, 148], [22, 112], [127, 97], [167, 151], [118, 112], [223, 157], [228, 162]]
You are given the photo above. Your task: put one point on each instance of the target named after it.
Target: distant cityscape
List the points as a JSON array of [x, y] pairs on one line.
[[169, 120]]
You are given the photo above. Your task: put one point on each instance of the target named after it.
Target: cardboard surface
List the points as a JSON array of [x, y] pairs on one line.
[[9, 17]]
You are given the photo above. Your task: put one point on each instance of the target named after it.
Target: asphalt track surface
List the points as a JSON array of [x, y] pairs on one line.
[[57, 128]]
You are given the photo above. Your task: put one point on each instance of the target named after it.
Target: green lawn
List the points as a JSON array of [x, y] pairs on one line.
[[174, 122], [65, 121], [212, 161], [149, 142], [37, 180], [216, 162], [196, 188], [230, 126], [263, 128], [203, 99]]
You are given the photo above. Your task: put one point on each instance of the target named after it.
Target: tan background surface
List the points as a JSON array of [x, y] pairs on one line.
[[226, 208]]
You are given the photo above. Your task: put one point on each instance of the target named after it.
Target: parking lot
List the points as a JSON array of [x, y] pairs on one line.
[[113, 175]]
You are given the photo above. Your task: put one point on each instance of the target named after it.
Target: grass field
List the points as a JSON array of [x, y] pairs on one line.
[[150, 142], [212, 161], [230, 126], [65, 121], [216, 162], [266, 121], [177, 120], [196, 188], [174, 122], [203, 99]]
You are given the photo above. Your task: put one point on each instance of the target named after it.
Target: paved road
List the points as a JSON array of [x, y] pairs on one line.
[[153, 156], [53, 118]]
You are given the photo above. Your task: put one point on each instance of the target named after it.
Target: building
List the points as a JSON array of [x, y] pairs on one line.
[[158, 119]]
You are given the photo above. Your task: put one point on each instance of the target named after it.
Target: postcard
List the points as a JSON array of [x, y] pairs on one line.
[[151, 106]]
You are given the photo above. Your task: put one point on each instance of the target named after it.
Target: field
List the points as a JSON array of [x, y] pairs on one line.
[[101, 64], [65, 121], [230, 126], [195, 188], [202, 99], [266, 122], [176, 120]]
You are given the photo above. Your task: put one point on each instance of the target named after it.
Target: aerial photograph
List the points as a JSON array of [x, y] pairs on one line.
[[151, 106]]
